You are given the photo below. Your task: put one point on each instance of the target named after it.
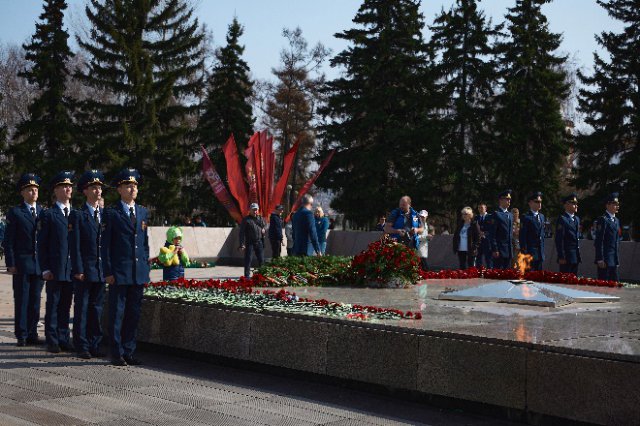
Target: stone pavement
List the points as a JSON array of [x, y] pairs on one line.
[[38, 388]]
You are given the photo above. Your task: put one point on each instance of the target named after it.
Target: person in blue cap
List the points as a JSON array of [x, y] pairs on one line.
[[500, 232], [54, 255], [566, 239], [607, 240], [20, 249], [86, 266], [532, 231], [125, 259]]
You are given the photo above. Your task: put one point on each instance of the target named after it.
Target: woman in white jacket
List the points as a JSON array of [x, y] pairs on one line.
[[425, 236]]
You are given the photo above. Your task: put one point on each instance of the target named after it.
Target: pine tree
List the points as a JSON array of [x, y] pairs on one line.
[[227, 110], [608, 157], [377, 114], [467, 75], [531, 143], [148, 54], [45, 141]]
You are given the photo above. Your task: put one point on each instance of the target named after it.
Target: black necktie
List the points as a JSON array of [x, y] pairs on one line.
[[33, 212], [132, 215], [95, 215], [66, 212]]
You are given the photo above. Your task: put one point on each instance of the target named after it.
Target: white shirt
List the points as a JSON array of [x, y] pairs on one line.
[[64, 206], [611, 216], [92, 210], [464, 237], [126, 207], [32, 206]]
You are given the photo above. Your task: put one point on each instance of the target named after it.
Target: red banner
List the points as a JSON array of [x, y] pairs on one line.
[[220, 191], [311, 181], [237, 185], [287, 165]]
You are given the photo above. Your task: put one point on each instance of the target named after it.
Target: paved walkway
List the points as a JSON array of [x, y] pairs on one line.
[[39, 388]]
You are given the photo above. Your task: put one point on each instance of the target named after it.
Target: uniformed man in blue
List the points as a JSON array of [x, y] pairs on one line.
[[86, 265], [607, 241], [532, 232], [403, 224], [125, 258], [567, 241], [54, 230], [20, 249], [500, 232]]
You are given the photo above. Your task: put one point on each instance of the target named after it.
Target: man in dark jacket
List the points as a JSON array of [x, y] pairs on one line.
[[607, 241], [532, 232], [20, 245], [275, 231], [252, 231], [54, 255], [567, 242], [500, 232], [86, 265], [304, 229]]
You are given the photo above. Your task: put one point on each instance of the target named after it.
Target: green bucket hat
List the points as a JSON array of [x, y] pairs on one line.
[[174, 232]]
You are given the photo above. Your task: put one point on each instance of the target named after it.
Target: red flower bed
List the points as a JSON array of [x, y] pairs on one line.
[[244, 286], [511, 274], [383, 260]]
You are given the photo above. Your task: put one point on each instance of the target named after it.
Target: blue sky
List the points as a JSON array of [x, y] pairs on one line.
[[577, 20]]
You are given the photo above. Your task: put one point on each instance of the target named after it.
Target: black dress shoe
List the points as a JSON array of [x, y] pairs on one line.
[[131, 360], [67, 347], [34, 341], [21, 342], [54, 349], [96, 353], [84, 355], [120, 362]]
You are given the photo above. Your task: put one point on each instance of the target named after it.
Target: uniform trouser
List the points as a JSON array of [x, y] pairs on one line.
[[484, 255], [276, 247], [58, 311], [124, 313], [536, 265], [87, 313], [502, 262], [571, 268], [609, 273], [27, 291], [465, 259], [251, 247]]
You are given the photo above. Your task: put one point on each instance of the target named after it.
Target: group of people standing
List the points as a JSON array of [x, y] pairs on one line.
[[489, 240], [306, 233], [78, 253]]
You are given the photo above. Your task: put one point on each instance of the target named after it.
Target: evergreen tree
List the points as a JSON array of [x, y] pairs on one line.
[[148, 54], [531, 140], [226, 110], [467, 75], [608, 157], [7, 196], [44, 142], [377, 114]]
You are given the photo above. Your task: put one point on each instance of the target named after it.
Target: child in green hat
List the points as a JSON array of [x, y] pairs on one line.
[[173, 256]]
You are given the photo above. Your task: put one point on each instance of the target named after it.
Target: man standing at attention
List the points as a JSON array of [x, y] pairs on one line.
[[500, 232], [125, 257], [567, 242], [304, 230], [607, 241], [20, 246], [484, 251], [252, 230], [86, 262], [532, 232], [54, 255]]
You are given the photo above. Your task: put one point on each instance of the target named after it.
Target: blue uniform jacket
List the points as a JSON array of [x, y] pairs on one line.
[[54, 235], [275, 227], [86, 257], [567, 242], [532, 235], [304, 233], [499, 227], [607, 241], [21, 240], [125, 246]]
